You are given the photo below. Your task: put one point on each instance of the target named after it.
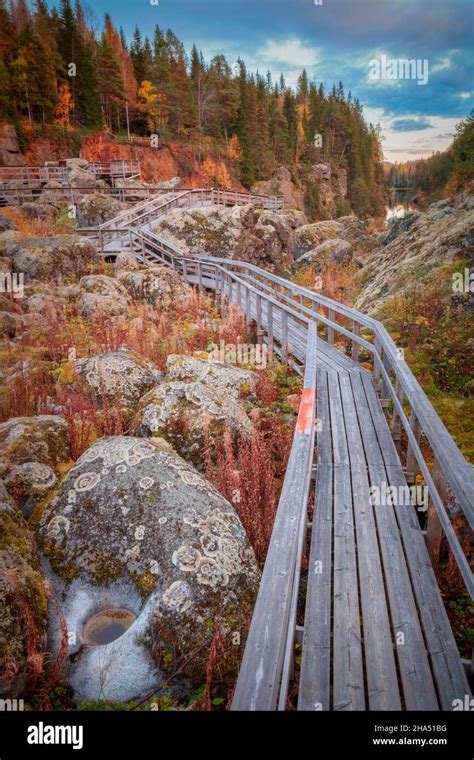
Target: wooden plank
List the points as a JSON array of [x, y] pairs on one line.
[[417, 684], [381, 672], [348, 675], [314, 684], [447, 668]]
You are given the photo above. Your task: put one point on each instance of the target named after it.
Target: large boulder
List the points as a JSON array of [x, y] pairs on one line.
[[135, 531], [281, 183], [337, 251], [190, 416], [156, 285], [33, 452], [43, 438], [6, 223], [51, 259], [117, 375], [102, 295], [234, 382], [170, 184], [43, 211], [11, 324], [78, 174], [23, 603], [310, 236], [94, 209], [247, 233]]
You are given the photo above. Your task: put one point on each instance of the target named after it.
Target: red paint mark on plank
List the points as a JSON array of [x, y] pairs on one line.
[[306, 412]]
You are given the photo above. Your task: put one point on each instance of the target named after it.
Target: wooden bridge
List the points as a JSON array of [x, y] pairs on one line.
[[367, 614], [32, 176]]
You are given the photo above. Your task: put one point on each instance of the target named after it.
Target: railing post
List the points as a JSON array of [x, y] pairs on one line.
[[331, 316], [284, 335], [434, 530], [376, 369], [355, 345], [259, 320], [270, 329], [248, 315], [412, 464], [396, 426]]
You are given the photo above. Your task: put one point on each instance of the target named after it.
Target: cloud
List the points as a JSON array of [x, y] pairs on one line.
[[410, 125], [465, 95], [289, 52]]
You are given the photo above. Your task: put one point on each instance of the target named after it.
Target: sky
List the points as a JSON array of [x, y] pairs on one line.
[[338, 40]]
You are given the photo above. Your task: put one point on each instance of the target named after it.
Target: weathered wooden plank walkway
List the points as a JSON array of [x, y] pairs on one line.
[[375, 633]]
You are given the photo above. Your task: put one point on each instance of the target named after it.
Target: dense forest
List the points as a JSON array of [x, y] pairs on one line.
[[55, 70], [444, 172]]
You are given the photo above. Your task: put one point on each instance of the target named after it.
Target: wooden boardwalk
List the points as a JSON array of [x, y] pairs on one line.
[[372, 626]]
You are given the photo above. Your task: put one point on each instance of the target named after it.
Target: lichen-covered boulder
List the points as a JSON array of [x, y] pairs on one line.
[[11, 324], [336, 251], [50, 259], [43, 438], [154, 285], [234, 382], [102, 295], [127, 261], [44, 211], [6, 223], [33, 451], [189, 416], [311, 235], [28, 483], [23, 603], [95, 208], [135, 527], [117, 375], [247, 233]]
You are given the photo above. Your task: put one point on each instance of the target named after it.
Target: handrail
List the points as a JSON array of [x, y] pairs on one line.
[[386, 357], [265, 660]]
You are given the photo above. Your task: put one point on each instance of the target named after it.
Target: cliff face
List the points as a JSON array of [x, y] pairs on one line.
[[330, 182], [10, 154]]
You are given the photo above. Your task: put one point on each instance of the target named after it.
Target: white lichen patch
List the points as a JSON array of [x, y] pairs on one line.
[[86, 481], [178, 596]]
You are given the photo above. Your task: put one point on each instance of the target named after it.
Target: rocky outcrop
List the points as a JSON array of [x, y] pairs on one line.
[[117, 375], [261, 237], [310, 236], [156, 285], [234, 382], [102, 295], [10, 154], [23, 603], [190, 416], [281, 183], [331, 181], [94, 209], [133, 526], [48, 259], [337, 251], [439, 237]]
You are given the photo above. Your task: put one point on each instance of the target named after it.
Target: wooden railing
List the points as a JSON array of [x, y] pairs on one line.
[[295, 321], [265, 671], [59, 172], [443, 467]]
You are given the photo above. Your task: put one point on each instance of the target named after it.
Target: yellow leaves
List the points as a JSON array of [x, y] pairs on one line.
[[64, 106], [149, 102], [421, 321], [234, 150], [216, 173]]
